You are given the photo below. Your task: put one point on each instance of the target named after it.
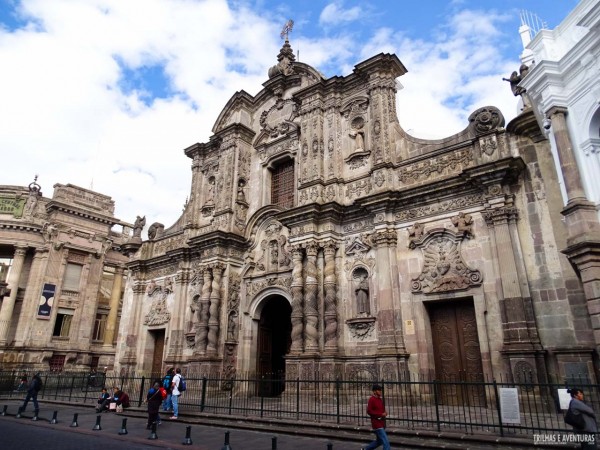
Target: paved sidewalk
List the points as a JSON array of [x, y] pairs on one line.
[[208, 432], [171, 434]]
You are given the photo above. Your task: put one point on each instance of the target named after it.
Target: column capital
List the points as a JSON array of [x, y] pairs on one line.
[[557, 110]]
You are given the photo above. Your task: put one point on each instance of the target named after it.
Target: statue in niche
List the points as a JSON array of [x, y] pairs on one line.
[[361, 292], [231, 326], [138, 226], [358, 140], [241, 197], [357, 133], [211, 191]]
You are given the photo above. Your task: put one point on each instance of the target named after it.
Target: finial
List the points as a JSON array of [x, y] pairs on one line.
[[34, 187], [287, 29]]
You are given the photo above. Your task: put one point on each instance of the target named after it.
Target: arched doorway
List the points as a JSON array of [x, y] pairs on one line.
[[274, 340]]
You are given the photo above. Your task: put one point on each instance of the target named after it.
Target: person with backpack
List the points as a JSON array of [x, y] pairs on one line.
[[177, 387], [34, 387], [167, 383], [577, 411]]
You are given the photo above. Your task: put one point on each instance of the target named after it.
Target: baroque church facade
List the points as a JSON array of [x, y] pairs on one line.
[[320, 239]]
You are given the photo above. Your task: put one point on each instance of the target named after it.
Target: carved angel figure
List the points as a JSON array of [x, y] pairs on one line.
[[463, 222]]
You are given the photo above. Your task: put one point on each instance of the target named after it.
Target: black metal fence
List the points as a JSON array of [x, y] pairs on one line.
[[417, 403]]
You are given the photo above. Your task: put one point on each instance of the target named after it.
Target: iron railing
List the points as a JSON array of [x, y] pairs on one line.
[[471, 406]]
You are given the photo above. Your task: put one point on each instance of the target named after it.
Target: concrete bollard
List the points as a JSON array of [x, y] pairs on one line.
[[153, 434], [188, 436], [74, 423], [274, 443], [123, 429], [329, 446], [226, 445], [97, 427], [54, 419], [3, 413]]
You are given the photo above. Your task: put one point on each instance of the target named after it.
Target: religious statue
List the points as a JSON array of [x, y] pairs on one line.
[[138, 226], [359, 139], [231, 327], [515, 79], [362, 294], [464, 223]]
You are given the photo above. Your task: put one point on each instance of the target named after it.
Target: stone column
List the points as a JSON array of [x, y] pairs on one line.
[[564, 147], [581, 217], [297, 316], [311, 313], [214, 311], [202, 331], [115, 297], [330, 282], [8, 304]]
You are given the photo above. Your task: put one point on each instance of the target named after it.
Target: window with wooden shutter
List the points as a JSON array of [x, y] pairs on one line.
[[282, 185]]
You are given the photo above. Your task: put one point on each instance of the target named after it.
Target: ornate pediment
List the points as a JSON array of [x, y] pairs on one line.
[[443, 267], [278, 120], [356, 246]]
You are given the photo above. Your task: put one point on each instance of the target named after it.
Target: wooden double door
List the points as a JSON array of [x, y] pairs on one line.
[[274, 340], [458, 366]]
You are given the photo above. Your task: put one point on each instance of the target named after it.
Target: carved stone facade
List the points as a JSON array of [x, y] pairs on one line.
[[62, 268], [387, 243]]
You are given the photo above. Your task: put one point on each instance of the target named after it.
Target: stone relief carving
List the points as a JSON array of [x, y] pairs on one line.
[[159, 313], [436, 208], [436, 167], [464, 224], [486, 119], [443, 267], [488, 145], [155, 231], [414, 234], [278, 120], [282, 282], [274, 256], [361, 328]]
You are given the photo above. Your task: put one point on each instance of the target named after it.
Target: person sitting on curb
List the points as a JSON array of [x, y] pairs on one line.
[[104, 396]]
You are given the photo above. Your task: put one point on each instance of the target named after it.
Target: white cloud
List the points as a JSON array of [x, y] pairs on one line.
[[335, 13]]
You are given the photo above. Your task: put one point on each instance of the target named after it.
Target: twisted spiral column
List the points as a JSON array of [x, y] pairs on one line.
[[331, 320], [297, 315], [202, 330], [215, 306], [311, 315]]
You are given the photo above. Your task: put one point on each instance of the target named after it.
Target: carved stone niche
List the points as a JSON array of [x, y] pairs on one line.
[[443, 267], [361, 328]]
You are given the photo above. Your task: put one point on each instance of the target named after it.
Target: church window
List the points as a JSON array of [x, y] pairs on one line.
[[282, 185], [62, 326], [99, 327]]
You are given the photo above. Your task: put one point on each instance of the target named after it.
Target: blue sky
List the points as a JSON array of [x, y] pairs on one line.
[[107, 93]]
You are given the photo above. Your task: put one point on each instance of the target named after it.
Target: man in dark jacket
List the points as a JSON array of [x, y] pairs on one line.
[[377, 413], [35, 386], [590, 428]]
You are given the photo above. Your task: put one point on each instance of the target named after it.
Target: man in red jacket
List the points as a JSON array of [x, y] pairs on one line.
[[377, 413]]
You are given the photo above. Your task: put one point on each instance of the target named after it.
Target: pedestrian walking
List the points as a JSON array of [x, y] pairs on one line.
[[589, 429], [154, 399], [377, 413], [167, 383], [34, 387], [175, 393]]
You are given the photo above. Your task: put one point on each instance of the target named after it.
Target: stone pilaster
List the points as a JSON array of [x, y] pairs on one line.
[[8, 304], [115, 297], [330, 286], [202, 331], [391, 340], [311, 314], [214, 310], [297, 315]]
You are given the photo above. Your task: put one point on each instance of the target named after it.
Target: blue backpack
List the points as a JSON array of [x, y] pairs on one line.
[[167, 382], [182, 386]]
